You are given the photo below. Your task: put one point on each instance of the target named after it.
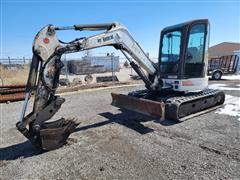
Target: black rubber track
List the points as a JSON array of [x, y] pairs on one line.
[[182, 106], [179, 105]]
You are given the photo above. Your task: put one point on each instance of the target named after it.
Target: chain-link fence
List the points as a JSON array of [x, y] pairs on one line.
[[15, 70], [14, 61]]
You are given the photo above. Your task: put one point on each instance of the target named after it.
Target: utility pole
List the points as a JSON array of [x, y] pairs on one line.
[[9, 60]]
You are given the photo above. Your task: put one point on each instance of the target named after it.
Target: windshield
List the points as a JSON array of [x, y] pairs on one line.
[[170, 52], [171, 46]]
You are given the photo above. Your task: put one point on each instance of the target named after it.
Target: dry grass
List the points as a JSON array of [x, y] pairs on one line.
[[13, 76]]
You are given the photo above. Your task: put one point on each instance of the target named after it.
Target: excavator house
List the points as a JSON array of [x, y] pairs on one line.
[[176, 86]]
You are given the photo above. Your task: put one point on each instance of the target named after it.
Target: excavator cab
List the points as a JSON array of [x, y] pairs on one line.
[[182, 54]]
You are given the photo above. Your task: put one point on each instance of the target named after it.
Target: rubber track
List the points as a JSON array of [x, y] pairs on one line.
[[174, 103], [184, 99]]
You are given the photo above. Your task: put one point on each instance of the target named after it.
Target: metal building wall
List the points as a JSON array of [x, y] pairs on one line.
[[109, 62]]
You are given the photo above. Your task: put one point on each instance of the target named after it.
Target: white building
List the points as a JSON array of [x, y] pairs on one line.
[[109, 62]]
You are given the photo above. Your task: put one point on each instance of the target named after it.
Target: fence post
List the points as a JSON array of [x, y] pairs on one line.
[[24, 60], [9, 60]]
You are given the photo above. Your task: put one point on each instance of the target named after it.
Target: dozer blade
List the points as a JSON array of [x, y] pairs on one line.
[[140, 105]]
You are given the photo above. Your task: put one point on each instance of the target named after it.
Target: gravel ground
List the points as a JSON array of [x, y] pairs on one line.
[[111, 144]]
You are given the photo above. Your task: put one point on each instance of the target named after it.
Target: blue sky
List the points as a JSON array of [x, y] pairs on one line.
[[21, 20]]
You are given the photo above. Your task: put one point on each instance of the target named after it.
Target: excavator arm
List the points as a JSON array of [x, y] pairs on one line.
[[45, 71]]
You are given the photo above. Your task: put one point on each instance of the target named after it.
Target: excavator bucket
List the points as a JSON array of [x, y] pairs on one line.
[[140, 105], [55, 134], [51, 135]]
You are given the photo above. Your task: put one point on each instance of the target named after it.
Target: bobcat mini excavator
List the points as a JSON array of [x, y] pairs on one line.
[[176, 86]]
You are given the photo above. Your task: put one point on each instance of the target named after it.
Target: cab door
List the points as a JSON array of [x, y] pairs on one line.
[[194, 64]]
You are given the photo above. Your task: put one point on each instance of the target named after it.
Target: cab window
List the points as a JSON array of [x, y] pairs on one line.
[[171, 46], [195, 51], [170, 52]]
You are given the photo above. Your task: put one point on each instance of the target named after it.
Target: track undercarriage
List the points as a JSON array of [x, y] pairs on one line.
[[167, 104]]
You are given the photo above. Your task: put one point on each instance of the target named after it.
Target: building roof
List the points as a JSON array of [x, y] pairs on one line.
[[233, 44], [224, 48]]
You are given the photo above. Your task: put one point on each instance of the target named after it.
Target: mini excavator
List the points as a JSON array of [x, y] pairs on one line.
[[176, 86]]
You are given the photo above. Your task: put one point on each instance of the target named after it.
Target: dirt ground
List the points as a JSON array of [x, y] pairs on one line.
[[114, 144]]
